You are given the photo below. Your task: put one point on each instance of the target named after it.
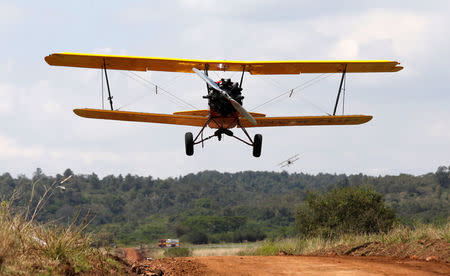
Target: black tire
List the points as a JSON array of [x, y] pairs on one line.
[[257, 144], [189, 143]]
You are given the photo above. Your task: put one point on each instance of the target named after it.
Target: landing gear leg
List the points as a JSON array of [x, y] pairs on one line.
[[257, 144], [189, 143]]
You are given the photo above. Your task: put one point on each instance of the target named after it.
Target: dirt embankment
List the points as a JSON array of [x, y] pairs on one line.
[[433, 249]]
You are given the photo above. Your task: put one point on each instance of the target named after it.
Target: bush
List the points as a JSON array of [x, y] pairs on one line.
[[197, 237], [344, 210], [177, 252]]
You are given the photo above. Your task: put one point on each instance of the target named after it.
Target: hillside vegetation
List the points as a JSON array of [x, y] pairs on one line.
[[213, 207]]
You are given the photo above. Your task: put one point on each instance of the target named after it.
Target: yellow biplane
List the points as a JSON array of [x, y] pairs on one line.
[[224, 97]]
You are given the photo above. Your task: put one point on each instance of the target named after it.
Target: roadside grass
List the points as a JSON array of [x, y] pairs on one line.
[[203, 252], [399, 235], [222, 249], [177, 252], [29, 248]]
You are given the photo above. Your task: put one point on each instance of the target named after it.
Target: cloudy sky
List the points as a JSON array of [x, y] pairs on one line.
[[410, 132]]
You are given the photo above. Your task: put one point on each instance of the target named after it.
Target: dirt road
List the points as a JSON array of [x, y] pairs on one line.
[[305, 265], [292, 265], [131, 255]]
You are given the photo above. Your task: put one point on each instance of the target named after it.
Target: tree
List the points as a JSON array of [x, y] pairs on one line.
[[197, 237], [37, 174], [68, 172], [443, 176], [344, 210]]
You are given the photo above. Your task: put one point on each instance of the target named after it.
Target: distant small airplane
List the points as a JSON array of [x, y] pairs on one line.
[[289, 161]]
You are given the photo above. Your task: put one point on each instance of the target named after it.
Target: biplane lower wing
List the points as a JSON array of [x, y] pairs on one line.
[[205, 112], [307, 121], [192, 120], [186, 120]]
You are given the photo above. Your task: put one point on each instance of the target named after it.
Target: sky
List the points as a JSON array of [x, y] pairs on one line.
[[410, 131]]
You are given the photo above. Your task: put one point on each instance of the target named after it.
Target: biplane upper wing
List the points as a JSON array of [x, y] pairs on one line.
[[133, 63], [307, 121], [172, 119]]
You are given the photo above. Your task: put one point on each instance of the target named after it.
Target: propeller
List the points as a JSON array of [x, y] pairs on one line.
[[235, 104]]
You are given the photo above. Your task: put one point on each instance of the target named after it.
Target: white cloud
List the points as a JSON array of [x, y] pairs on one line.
[[52, 106], [10, 15], [345, 49], [439, 127], [9, 148], [104, 51], [405, 29], [8, 94], [91, 158]]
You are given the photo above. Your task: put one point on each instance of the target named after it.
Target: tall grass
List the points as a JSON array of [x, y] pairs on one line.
[[400, 234], [177, 252], [230, 251], [29, 248]]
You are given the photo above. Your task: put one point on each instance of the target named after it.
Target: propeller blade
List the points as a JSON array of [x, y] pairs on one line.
[[209, 81], [242, 111], [235, 104]]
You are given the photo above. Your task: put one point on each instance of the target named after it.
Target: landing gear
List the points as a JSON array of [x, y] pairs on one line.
[[257, 144], [189, 143]]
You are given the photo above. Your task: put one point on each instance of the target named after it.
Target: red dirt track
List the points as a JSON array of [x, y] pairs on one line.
[[131, 255], [312, 265], [284, 265]]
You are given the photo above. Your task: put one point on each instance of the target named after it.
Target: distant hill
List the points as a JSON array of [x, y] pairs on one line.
[[218, 206]]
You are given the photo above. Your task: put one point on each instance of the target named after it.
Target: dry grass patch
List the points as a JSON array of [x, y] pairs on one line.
[[402, 241], [201, 252], [28, 248]]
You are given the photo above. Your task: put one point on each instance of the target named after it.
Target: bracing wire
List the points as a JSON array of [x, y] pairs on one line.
[[314, 105], [298, 88], [170, 82], [271, 82], [172, 100], [146, 83], [164, 90], [274, 83]]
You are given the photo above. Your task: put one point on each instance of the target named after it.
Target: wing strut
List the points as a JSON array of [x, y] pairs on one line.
[[206, 73], [242, 76], [107, 84], [340, 89]]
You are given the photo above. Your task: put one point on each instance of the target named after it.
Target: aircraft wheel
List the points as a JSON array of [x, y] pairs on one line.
[[257, 144], [189, 143]]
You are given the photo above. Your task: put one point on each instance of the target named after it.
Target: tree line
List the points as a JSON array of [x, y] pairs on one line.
[[210, 206]]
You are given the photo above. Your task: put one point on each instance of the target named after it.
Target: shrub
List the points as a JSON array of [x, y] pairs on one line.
[[344, 210], [197, 237], [177, 252]]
